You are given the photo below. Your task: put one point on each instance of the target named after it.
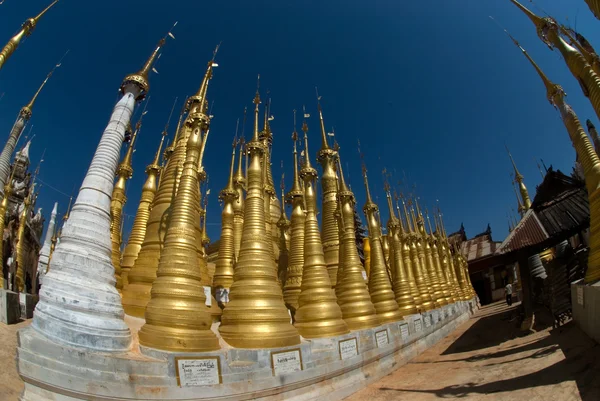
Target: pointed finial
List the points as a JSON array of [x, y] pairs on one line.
[[296, 188], [140, 78], [428, 221], [365, 178], [537, 21], [27, 109], [256, 110], [230, 186], [552, 89], [307, 164], [324, 144], [26, 29], [388, 195], [66, 216], [517, 174]]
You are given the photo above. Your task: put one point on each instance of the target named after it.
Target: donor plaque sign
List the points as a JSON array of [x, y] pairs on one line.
[[348, 348], [198, 371], [286, 362], [382, 338]]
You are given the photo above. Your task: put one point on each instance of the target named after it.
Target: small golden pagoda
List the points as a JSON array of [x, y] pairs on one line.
[[138, 230], [400, 277], [435, 255], [380, 287], [256, 316], [283, 224], [318, 314], [351, 290], [223, 277], [176, 316], [239, 183]]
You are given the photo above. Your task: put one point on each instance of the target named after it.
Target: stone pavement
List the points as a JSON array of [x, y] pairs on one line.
[[488, 358]]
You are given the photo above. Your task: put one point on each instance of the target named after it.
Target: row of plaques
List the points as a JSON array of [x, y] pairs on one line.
[[206, 371]]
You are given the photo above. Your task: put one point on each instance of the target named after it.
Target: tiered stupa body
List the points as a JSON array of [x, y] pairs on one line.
[[272, 205], [79, 304], [223, 277], [292, 285], [330, 233], [176, 315], [256, 316]]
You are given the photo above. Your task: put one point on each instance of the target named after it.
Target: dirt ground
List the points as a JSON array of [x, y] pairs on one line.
[[11, 384], [487, 358]]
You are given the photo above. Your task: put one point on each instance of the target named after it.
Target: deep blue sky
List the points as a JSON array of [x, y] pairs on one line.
[[433, 88]]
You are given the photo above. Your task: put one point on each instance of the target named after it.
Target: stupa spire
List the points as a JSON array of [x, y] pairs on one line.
[[291, 289], [239, 182], [549, 32], [318, 314], [79, 275], [16, 131], [589, 160], [519, 179], [380, 287], [26, 30], [256, 316], [441, 273], [283, 224]]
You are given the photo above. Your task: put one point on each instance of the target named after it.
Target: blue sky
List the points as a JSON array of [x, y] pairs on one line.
[[431, 88]]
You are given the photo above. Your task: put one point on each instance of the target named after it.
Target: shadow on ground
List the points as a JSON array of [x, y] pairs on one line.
[[581, 363]]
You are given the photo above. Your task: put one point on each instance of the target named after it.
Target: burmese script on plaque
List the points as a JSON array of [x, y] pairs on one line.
[[198, 372], [286, 362], [382, 338], [418, 326], [404, 331], [348, 348]]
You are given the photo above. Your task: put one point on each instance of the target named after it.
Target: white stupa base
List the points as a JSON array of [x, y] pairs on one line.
[[58, 372]]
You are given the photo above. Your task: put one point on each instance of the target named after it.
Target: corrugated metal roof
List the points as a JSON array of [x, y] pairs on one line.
[[568, 212], [528, 232]]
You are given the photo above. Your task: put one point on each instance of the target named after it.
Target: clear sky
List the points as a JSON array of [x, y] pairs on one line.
[[431, 88]]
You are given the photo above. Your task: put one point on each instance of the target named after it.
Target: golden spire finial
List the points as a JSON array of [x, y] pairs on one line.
[[296, 188], [343, 187], [232, 166], [140, 78], [324, 144], [409, 225], [365, 178], [256, 110], [239, 175], [26, 29], [26, 110], [307, 165], [428, 221]]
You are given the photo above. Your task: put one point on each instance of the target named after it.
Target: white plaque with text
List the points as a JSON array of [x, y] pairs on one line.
[[427, 321], [404, 331], [418, 325], [286, 362], [198, 372], [208, 296], [580, 295], [348, 348], [382, 338]]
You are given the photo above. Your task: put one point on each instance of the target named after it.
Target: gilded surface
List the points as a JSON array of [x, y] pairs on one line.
[[318, 314], [176, 315], [256, 316], [138, 230], [239, 182], [380, 287], [352, 292]]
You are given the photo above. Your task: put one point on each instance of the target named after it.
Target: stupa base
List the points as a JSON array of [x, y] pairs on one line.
[[330, 368]]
